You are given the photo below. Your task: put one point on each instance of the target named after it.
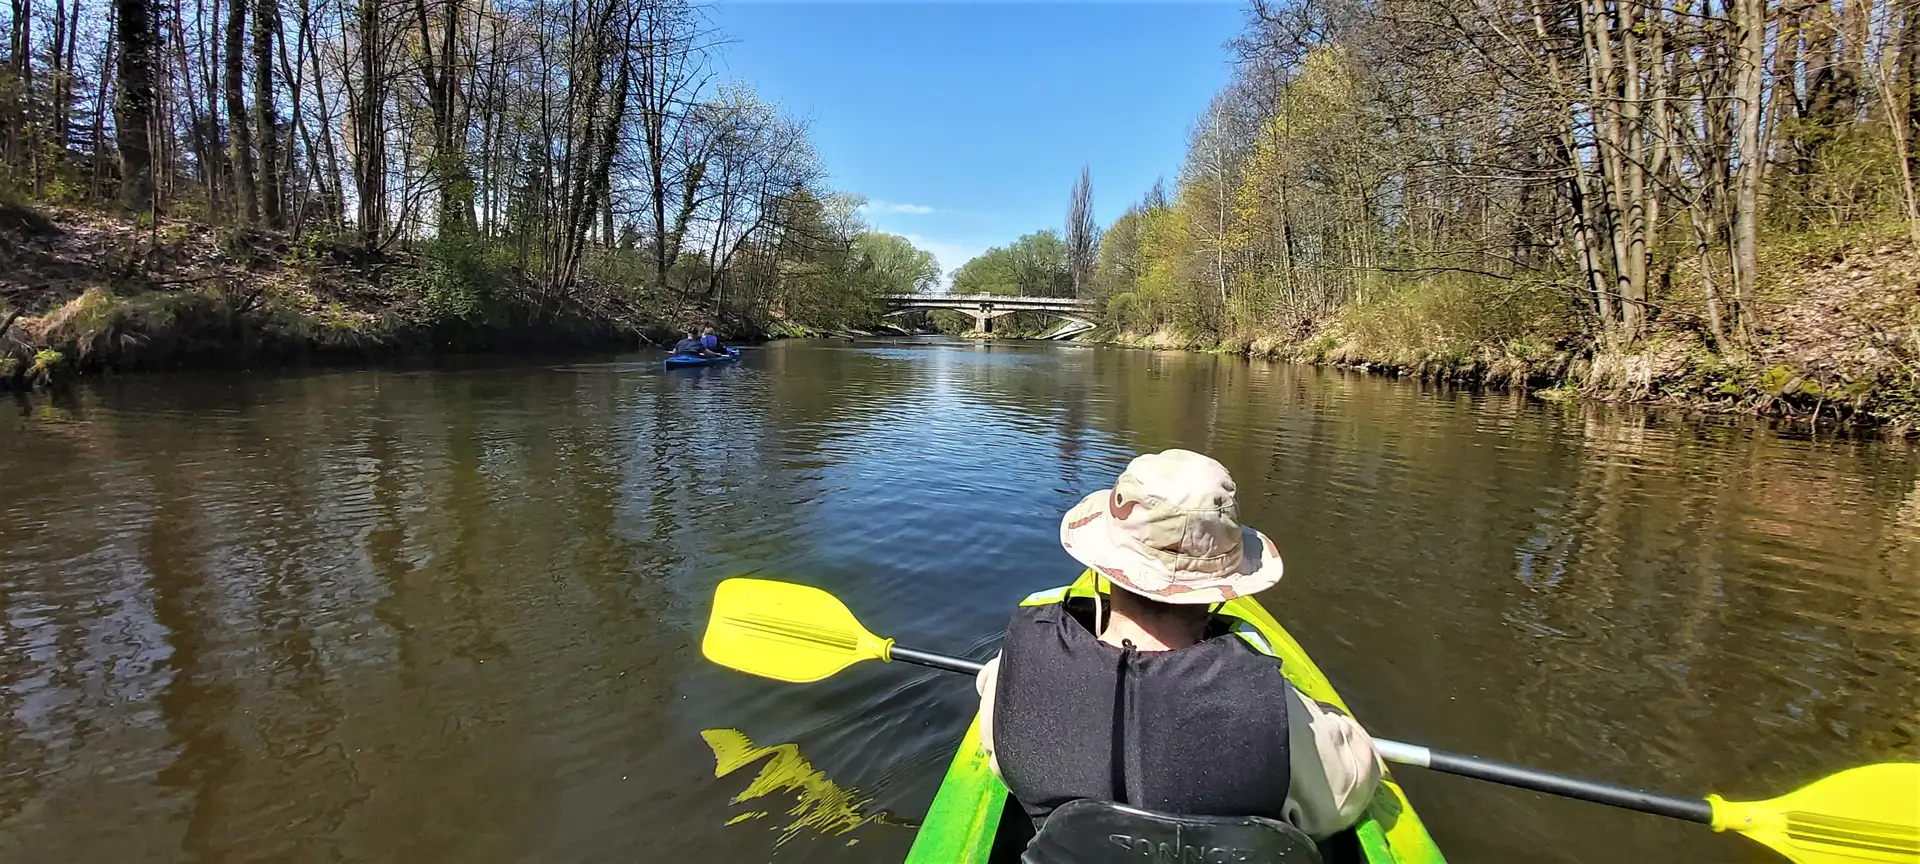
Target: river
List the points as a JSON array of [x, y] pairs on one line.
[[453, 613]]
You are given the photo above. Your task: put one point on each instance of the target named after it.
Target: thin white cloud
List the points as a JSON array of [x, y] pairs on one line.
[[892, 207]]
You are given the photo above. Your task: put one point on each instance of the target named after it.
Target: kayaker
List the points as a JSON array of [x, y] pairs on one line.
[[711, 343], [689, 345], [1205, 723]]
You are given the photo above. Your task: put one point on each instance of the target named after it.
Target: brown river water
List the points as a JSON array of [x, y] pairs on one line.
[[453, 614]]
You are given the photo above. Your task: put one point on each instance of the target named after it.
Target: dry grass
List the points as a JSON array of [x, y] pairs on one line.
[[103, 292], [1837, 336]]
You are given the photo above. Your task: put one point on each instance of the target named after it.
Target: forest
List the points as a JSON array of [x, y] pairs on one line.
[[355, 173], [1705, 200], [1711, 201]]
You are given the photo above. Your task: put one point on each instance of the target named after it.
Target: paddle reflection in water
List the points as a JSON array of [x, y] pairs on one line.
[[820, 804]]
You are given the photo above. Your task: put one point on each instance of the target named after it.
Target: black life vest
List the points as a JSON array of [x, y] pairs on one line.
[[1201, 731]]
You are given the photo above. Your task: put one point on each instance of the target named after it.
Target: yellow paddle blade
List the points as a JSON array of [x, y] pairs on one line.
[[786, 632], [1871, 813]]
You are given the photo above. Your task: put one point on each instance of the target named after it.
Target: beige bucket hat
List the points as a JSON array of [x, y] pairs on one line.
[[1169, 530]]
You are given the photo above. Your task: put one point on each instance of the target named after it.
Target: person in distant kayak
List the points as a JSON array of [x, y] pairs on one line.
[[1154, 701], [711, 343], [689, 346]]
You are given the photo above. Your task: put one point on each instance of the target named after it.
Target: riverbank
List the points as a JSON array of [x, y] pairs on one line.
[[1839, 344], [85, 291]]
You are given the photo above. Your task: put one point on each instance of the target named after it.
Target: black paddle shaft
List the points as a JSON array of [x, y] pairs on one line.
[[935, 661], [1624, 797]]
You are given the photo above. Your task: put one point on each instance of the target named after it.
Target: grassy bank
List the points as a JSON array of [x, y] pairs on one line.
[[84, 291], [1838, 342]]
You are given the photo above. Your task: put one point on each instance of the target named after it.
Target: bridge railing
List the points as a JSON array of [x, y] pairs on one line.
[[999, 300]]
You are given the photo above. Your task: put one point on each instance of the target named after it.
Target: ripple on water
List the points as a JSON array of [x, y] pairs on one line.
[[455, 614]]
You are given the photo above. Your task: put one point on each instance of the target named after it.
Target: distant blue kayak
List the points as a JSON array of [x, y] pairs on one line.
[[679, 361]]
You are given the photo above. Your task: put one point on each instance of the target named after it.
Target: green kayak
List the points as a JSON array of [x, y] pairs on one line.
[[974, 821]]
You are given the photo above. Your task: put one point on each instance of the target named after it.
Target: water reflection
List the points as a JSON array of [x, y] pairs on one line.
[[434, 614], [820, 805]]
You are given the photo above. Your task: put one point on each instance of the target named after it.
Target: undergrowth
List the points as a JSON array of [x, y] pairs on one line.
[[1836, 335]]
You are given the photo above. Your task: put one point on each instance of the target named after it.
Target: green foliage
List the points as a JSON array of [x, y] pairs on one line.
[[893, 264], [1774, 381], [46, 362], [1832, 176], [991, 272], [1117, 267], [461, 278], [456, 182], [63, 187], [310, 250], [623, 266], [1034, 266], [831, 273]]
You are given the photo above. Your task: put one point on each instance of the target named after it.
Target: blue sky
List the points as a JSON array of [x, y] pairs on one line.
[[966, 124]]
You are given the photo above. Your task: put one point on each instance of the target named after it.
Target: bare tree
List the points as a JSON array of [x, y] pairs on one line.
[[1082, 235], [582, 135], [669, 76], [1575, 158], [20, 114]]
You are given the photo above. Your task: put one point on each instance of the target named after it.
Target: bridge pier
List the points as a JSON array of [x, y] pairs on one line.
[[983, 318]]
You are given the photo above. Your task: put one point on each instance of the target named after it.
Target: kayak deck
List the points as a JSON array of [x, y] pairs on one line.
[[974, 821], [680, 360]]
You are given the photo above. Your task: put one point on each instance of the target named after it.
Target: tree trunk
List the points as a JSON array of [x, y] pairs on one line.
[[491, 130], [1850, 84], [440, 75], [133, 121], [196, 131], [98, 153], [369, 127], [293, 70], [266, 19], [219, 178], [1786, 83], [1822, 72], [334, 195], [239, 133], [58, 77], [1751, 22], [1907, 77], [597, 184], [20, 147], [68, 78]]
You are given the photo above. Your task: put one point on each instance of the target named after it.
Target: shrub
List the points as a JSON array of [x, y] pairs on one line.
[[1453, 319], [461, 278]]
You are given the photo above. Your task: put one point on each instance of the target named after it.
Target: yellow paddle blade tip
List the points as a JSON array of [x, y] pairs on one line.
[[1866, 814], [787, 632]]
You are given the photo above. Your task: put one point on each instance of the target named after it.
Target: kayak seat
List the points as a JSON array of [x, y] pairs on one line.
[[1102, 832]]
